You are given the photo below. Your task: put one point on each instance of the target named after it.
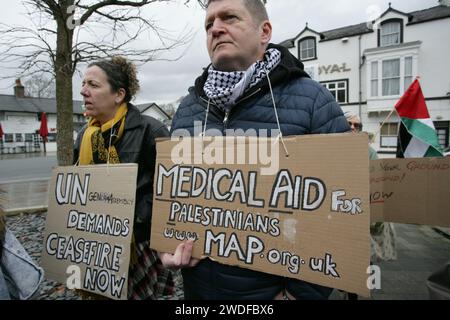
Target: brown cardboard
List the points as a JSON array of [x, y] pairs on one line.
[[297, 239], [106, 198], [412, 191]]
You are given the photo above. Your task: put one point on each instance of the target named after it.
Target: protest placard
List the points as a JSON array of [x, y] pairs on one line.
[[89, 227], [245, 202], [414, 191]]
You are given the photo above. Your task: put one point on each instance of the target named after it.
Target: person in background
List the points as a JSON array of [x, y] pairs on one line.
[[118, 133], [20, 277], [355, 124], [250, 84], [382, 234]]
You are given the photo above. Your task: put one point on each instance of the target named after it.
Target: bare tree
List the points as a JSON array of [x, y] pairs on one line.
[[39, 86], [66, 33]]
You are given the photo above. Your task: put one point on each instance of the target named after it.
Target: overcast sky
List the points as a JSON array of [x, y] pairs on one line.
[[166, 81]]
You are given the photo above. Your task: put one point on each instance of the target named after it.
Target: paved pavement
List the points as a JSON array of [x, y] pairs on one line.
[[26, 166], [24, 180], [25, 195], [421, 251]]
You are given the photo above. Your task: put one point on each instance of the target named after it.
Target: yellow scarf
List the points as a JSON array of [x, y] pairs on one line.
[[97, 138]]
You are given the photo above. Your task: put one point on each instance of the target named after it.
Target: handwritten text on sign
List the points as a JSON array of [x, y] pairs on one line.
[[411, 191], [295, 223], [89, 226]]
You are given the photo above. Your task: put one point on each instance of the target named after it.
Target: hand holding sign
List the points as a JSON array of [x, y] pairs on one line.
[[182, 257]]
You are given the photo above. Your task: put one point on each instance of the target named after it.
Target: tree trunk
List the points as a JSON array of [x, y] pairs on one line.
[[64, 96]]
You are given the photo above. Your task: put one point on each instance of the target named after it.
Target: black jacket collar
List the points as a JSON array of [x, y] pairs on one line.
[[134, 117]]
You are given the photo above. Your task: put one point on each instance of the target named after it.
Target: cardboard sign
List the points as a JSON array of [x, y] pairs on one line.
[[412, 191], [89, 227], [303, 216]]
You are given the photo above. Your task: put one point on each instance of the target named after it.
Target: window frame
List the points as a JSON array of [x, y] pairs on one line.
[[399, 77], [18, 137], [393, 20], [379, 77], [8, 137], [372, 79], [411, 76], [390, 135], [346, 81], [443, 126], [300, 48]]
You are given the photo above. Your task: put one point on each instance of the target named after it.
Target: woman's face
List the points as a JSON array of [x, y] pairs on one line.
[[100, 101], [354, 124]]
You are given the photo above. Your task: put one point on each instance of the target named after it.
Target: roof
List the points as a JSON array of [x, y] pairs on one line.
[[435, 13], [349, 31], [420, 16], [34, 105], [144, 107]]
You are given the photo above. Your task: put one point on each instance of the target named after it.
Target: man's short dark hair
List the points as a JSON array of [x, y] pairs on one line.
[[255, 7]]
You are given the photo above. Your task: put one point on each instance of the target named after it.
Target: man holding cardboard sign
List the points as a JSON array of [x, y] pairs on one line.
[[250, 84]]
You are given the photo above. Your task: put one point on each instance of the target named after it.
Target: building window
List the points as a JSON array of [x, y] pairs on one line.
[[28, 137], [408, 73], [338, 89], [9, 137], [307, 48], [442, 130], [51, 137], [391, 33], [19, 137], [374, 79], [388, 135], [391, 77]]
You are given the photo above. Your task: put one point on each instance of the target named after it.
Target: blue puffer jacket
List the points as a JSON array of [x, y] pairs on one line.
[[304, 107]]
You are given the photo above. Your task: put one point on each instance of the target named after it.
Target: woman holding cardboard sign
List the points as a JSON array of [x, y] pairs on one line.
[[118, 133]]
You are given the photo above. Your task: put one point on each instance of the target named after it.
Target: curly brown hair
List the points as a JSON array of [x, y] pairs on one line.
[[121, 73]]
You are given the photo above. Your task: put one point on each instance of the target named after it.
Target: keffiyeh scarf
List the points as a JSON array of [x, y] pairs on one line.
[[224, 88]]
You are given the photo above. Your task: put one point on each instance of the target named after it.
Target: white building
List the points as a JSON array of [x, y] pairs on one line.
[[368, 66], [155, 111], [19, 118]]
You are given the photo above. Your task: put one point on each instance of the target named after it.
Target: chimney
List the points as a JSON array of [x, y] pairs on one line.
[[19, 89]]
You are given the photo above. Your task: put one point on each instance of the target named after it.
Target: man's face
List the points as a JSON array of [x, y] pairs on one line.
[[234, 40]]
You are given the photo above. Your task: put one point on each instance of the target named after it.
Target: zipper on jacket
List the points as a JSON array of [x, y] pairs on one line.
[[250, 95], [225, 120]]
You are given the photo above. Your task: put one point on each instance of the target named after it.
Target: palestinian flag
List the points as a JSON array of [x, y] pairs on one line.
[[417, 135]]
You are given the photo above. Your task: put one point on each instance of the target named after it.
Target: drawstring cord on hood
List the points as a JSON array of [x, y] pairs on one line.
[[204, 127], [280, 135], [206, 119]]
